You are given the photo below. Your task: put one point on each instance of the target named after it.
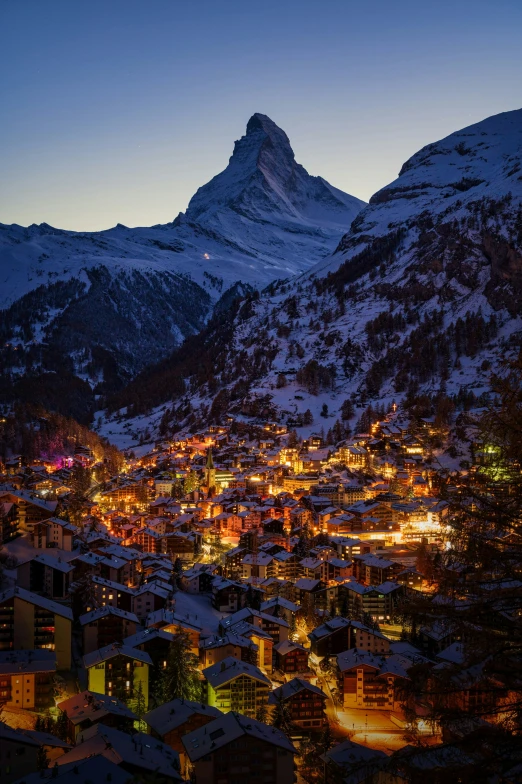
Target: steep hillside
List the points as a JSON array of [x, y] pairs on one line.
[[422, 295], [102, 305]]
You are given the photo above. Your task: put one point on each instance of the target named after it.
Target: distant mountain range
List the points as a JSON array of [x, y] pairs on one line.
[[99, 306], [423, 295]]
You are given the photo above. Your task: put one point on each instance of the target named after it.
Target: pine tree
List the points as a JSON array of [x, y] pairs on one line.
[[191, 482], [250, 655], [139, 707], [42, 760], [262, 713], [181, 675], [292, 631], [309, 614], [327, 664], [282, 716], [311, 751], [177, 571], [62, 726], [302, 547]]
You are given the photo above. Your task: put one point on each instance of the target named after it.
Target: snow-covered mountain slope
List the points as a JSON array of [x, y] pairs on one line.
[[423, 294], [136, 293], [263, 217]]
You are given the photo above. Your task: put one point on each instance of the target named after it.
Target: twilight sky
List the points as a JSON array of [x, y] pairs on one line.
[[116, 111]]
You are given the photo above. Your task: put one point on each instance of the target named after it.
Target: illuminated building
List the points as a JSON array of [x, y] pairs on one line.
[[118, 670], [234, 685], [306, 704], [27, 679], [29, 621]]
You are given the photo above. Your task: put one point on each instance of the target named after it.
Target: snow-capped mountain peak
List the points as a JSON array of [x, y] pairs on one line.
[[128, 296], [263, 180]]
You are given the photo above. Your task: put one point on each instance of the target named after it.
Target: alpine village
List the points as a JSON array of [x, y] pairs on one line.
[[286, 547]]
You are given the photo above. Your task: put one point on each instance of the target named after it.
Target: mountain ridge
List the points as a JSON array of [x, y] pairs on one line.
[[161, 283], [422, 294]]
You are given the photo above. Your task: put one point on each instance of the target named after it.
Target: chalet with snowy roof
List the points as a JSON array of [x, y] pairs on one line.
[[331, 637], [291, 657], [234, 685], [288, 565], [115, 594], [86, 564], [184, 546], [233, 560], [199, 579], [371, 682], [259, 565], [352, 455], [348, 546], [132, 556], [148, 539], [102, 626], [173, 720], [54, 532], [370, 569], [340, 524], [323, 595], [276, 627], [411, 578], [305, 703], [45, 574], [260, 641], [30, 621], [138, 754], [280, 607], [117, 670], [148, 598], [311, 568], [377, 602], [213, 751], [354, 763], [155, 642], [26, 679], [88, 708], [218, 647], [30, 508], [435, 637], [335, 568], [228, 595], [8, 521], [323, 639], [170, 621]]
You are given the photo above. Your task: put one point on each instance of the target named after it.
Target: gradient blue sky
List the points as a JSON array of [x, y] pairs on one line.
[[118, 110]]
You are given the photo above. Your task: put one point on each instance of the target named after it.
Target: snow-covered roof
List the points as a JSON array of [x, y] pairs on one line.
[[291, 688], [93, 706], [39, 601], [175, 713], [112, 650], [229, 728], [229, 669]]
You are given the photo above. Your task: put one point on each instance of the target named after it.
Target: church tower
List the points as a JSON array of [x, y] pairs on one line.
[[210, 472]]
